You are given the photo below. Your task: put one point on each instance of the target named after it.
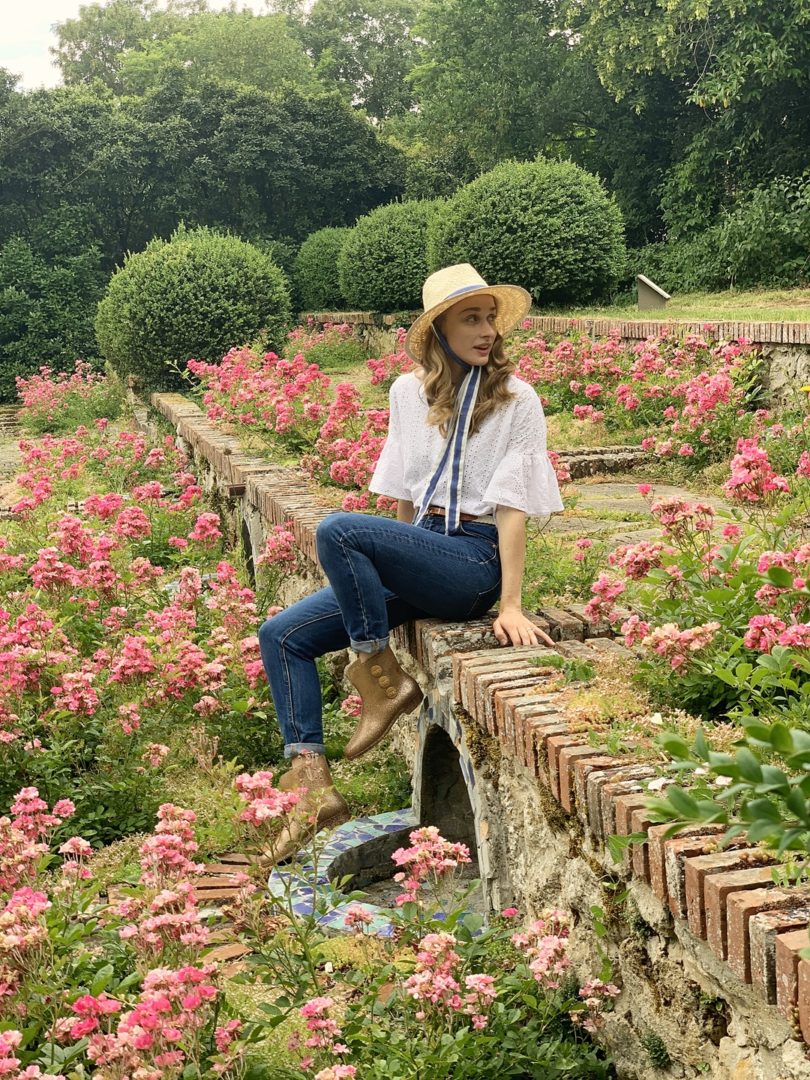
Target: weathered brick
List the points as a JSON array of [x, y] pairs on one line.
[[740, 908], [485, 684], [568, 755], [614, 787], [562, 624], [583, 771], [671, 888], [598, 781], [804, 999], [640, 853], [624, 805], [696, 871], [594, 626], [717, 890], [537, 731], [506, 702], [554, 745], [789, 947], [763, 929]]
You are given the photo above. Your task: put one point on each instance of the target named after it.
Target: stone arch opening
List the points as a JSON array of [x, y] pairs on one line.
[[444, 798], [247, 547]]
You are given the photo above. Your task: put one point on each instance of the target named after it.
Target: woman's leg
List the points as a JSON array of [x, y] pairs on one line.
[[451, 577], [366, 557], [290, 642]]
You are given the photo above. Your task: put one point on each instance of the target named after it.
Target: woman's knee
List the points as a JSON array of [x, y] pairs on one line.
[[270, 633], [332, 530]]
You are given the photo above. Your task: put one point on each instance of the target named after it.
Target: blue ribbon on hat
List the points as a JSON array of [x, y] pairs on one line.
[[455, 445]]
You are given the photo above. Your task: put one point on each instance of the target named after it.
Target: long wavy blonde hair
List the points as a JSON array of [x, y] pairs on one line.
[[440, 390]]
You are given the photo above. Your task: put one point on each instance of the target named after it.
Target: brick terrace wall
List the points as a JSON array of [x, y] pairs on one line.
[[706, 947]]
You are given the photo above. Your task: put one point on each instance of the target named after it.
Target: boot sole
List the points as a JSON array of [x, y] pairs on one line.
[[265, 860], [406, 708]]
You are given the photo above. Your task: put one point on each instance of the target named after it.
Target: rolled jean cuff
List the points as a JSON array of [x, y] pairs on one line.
[[293, 748], [373, 646]]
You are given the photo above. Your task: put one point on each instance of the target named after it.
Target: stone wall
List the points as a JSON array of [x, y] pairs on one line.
[[785, 346], [705, 947]]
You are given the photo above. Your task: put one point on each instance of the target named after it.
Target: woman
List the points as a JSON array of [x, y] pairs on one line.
[[466, 460]]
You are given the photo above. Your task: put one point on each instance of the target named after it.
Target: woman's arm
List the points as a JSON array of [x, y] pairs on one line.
[[405, 511], [512, 626]]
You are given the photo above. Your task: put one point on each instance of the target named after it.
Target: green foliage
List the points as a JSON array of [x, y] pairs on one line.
[[656, 1049], [489, 69], [231, 46], [367, 49], [46, 310], [548, 226], [193, 296], [766, 786], [763, 240], [316, 270], [382, 264], [91, 46]]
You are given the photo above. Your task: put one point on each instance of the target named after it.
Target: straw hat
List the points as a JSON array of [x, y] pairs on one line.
[[446, 287]]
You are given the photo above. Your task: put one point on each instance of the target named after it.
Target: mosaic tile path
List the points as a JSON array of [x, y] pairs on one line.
[[345, 840]]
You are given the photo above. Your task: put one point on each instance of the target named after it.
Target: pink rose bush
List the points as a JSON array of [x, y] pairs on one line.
[[155, 1008], [62, 402], [724, 603], [112, 631], [686, 398]]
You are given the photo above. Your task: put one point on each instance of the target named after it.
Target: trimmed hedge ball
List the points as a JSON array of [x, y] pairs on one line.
[[316, 270], [549, 226], [195, 295], [383, 262]]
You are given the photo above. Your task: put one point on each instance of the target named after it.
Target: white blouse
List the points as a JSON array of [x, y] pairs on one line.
[[506, 462]]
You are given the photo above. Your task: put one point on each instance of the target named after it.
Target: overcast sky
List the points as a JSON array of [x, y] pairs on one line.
[[25, 35]]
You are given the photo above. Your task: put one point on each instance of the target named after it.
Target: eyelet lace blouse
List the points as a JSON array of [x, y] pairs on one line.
[[506, 462]]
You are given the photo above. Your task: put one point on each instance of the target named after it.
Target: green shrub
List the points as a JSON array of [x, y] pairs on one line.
[[46, 311], [688, 265], [549, 226], [193, 296], [316, 270], [383, 261], [764, 240]]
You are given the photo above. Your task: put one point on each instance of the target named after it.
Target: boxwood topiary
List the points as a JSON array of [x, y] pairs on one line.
[[383, 261], [316, 270], [195, 295], [549, 226]]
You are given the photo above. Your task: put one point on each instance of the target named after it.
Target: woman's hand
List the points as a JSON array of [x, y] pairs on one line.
[[512, 627]]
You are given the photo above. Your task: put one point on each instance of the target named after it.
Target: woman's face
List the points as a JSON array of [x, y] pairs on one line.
[[469, 327]]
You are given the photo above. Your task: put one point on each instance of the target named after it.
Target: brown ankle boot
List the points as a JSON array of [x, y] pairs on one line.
[[387, 693], [322, 807]]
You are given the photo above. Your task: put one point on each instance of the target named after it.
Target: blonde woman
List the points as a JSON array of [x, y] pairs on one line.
[[466, 460]]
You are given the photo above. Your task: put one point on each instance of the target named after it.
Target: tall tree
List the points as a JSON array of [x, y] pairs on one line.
[[233, 46], [742, 73], [92, 45], [366, 48], [486, 72]]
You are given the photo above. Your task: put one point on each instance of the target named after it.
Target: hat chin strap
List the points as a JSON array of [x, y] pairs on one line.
[[445, 344]]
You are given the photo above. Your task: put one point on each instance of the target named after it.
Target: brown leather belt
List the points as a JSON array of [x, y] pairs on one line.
[[439, 511]]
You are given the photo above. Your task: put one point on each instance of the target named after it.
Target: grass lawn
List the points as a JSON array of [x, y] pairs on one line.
[[754, 305]]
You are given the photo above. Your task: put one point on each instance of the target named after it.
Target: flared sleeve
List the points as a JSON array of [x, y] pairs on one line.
[[388, 477], [524, 478]]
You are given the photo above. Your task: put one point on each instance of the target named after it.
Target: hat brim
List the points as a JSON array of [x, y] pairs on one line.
[[512, 303]]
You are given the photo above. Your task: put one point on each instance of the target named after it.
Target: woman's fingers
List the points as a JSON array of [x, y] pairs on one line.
[[274, 610]]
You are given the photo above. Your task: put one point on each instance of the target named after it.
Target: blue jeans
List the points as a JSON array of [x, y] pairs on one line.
[[381, 573]]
